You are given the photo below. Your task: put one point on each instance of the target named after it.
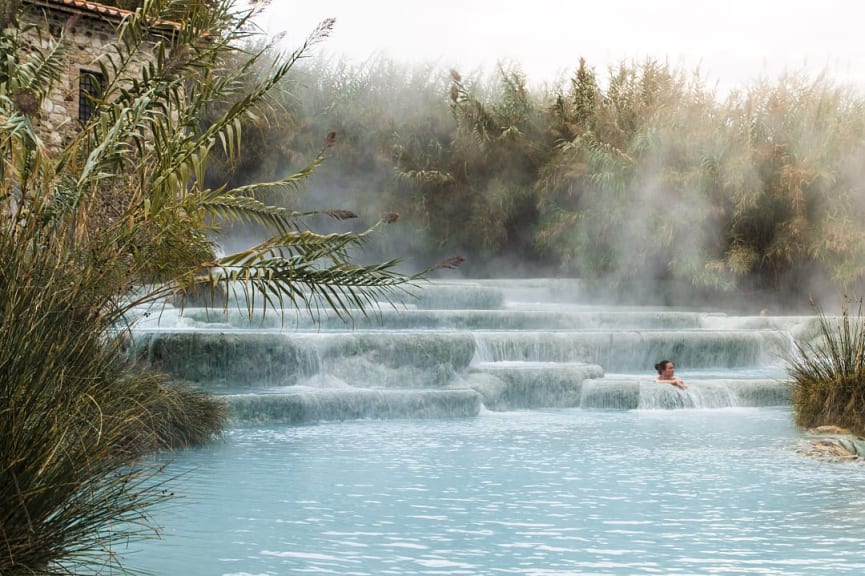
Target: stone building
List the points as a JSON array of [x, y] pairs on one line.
[[87, 27]]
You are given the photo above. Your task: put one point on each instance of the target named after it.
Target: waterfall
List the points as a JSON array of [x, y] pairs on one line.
[[454, 348]]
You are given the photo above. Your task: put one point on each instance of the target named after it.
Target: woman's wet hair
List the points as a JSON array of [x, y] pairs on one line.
[[660, 366]]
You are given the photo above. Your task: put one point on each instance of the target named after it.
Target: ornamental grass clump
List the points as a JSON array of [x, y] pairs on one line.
[[828, 373], [75, 420]]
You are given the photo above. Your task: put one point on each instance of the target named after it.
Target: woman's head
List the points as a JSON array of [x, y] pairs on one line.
[[663, 367]]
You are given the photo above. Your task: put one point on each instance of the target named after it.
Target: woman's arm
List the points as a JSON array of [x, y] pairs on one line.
[[675, 381]]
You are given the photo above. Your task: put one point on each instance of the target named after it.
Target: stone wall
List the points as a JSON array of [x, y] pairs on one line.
[[85, 41]]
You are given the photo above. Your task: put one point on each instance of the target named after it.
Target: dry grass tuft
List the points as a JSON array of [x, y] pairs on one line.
[[828, 375]]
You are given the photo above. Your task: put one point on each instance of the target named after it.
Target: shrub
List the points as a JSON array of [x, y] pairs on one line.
[[828, 373]]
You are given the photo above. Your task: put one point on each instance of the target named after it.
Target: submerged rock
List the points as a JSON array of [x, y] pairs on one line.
[[832, 443], [827, 430]]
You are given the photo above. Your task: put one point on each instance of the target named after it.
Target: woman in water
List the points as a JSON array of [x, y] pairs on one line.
[[665, 374]]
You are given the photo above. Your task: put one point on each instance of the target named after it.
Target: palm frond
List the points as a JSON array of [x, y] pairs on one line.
[[41, 71], [296, 281], [290, 183], [186, 158]]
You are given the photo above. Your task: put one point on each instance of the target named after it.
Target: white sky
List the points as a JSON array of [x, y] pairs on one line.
[[732, 41]]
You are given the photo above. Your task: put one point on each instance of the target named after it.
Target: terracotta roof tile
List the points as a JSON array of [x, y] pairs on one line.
[[94, 9], [86, 7]]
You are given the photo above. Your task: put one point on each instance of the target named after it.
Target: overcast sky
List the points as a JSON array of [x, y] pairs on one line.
[[732, 41]]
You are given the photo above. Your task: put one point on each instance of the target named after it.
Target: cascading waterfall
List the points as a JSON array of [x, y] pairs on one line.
[[456, 348]]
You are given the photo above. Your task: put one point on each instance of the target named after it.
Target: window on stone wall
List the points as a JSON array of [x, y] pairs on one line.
[[90, 89]]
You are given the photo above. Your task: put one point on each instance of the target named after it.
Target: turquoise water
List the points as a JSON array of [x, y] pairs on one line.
[[542, 493]]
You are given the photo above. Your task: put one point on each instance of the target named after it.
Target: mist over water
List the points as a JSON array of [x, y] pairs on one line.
[[639, 178]]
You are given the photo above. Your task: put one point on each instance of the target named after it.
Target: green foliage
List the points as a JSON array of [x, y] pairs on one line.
[[828, 374], [473, 184], [788, 182], [643, 179], [377, 116], [640, 180], [632, 155], [147, 150]]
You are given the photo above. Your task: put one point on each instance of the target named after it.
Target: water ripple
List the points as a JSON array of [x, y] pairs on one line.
[[542, 493]]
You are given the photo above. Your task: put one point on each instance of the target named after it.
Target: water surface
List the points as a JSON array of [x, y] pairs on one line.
[[544, 492]]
